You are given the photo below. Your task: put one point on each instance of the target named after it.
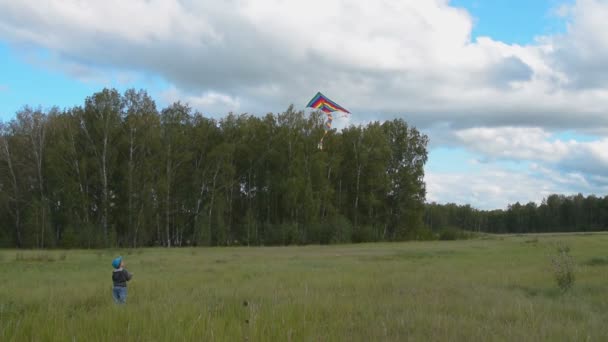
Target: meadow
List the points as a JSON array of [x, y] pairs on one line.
[[492, 288]]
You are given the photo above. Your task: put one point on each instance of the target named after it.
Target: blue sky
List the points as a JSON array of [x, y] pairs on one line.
[[514, 21], [29, 77], [24, 83], [509, 92], [30, 82]]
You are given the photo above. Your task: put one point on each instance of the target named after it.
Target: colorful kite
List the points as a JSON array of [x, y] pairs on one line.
[[321, 102]]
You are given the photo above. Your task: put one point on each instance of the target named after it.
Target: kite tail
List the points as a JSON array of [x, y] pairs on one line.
[[320, 146], [330, 118]]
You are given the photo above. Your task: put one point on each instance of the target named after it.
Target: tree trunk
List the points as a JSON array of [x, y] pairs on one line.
[[16, 195], [76, 165], [197, 210], [130, 182], [212, 201], [168, 197], [136, 233], [37, 138], [325, 199], [357, 194], [105, 190]]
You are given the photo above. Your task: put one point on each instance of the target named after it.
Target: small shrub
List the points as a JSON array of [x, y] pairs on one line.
[[40, 257], [363, 233], [44, 257], [563, 268], [342, 230], [452, 233], [597, 262], [420, 233]]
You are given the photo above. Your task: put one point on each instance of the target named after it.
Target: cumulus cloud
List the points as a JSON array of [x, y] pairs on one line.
[[419, 60], [508, 71], [503, 101], [490, 188], [588, 159], [493, 187], [519, 143], [544, 164], [580, 54], [210, 103]]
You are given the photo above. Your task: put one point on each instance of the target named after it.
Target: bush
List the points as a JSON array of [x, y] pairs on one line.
[[597, 261], [451, 233], [280, 234], [342, 228], [364, 233], [563, 268], [29, 257], [421, 233]]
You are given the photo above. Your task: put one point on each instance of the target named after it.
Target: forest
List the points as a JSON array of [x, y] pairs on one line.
[[119, 172], [556, 213]]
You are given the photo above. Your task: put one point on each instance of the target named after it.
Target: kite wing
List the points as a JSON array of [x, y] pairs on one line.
[[324, 104]]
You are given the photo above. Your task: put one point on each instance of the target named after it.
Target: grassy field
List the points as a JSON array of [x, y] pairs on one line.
[[488, 289]]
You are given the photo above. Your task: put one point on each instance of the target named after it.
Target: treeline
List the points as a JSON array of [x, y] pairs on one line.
[[117, 171], [556, 213]]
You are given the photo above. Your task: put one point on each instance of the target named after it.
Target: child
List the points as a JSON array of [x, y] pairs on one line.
[[120, 277]]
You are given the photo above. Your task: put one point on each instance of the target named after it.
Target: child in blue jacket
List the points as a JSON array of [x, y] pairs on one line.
[[120, 277]]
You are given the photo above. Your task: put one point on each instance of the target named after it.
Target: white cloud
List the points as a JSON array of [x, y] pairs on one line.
[[380, 59], [210, 103], [580, 54], [536, 144], [491, 188], [527, 143], [494, 187], [73, 21], [417, 60]]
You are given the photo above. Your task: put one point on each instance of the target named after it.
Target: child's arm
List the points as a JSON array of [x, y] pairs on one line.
[[128, 275]]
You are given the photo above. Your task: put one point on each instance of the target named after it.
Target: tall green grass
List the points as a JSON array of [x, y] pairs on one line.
[[486, 289]]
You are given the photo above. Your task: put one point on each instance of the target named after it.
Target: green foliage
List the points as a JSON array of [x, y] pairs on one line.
[[119, 172], [364, 233], [453, 233], [556, 213], [421, 233], [563, 265], [597, 261], [341, 228], [69, 238]]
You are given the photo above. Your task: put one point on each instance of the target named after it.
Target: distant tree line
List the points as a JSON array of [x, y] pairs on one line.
[[556, 213], [117, 171]]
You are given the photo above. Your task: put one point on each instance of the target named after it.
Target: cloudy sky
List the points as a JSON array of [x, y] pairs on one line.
[[512, 93]]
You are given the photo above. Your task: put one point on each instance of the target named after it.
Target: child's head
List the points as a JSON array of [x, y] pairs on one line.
[[117, 263]]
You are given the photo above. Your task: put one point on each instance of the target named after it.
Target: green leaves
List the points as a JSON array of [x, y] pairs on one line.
[[117, 172]]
